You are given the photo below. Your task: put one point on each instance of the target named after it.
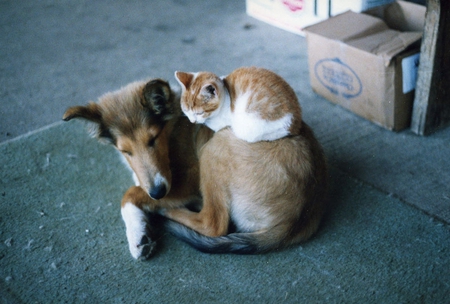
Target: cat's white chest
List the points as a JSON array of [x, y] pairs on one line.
[[222, 117], [252, 128], [218, 122]]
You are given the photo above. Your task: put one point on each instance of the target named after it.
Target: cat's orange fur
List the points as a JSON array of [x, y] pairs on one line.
[[256, 103]]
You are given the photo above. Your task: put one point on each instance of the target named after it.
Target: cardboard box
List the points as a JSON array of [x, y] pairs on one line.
[[294, 15], [367, 62]]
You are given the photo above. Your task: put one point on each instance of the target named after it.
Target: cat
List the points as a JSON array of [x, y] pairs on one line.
[[256, 103]]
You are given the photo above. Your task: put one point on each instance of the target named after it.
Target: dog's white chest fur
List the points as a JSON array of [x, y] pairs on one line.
[[247, 216]]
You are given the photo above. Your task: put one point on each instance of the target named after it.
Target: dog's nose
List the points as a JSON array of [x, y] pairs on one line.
[[158, 192]]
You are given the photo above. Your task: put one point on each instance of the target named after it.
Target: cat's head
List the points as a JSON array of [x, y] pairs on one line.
[[201, 94]]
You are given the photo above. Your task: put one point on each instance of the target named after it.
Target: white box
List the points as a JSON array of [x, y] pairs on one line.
[[294, 15], [290, 15], [357, 6]]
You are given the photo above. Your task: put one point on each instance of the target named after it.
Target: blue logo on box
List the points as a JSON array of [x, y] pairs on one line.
[[338, 77]]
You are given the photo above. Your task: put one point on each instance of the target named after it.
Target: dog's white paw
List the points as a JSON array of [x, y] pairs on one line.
[[140, 244]]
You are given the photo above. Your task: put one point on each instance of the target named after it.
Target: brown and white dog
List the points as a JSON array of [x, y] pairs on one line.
[[273, 193]]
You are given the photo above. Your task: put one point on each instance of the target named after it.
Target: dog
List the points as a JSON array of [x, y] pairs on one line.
[[270, 194]]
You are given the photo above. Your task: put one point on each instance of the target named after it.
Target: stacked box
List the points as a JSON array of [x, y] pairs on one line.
[[367, 62]]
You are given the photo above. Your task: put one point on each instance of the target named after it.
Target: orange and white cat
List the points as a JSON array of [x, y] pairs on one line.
[[256, 103]]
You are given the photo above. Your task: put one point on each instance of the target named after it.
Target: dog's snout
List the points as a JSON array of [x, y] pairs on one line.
[[158, 192]]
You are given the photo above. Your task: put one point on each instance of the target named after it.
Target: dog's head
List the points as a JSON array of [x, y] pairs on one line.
[[137, 121]]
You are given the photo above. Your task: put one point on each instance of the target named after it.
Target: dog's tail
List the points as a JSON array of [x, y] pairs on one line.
[[240, 243]]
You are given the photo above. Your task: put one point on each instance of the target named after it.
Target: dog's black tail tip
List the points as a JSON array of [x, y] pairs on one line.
[[237, 243]]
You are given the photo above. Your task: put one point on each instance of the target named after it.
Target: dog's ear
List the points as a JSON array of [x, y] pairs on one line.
[[158, 99], [91, 113]]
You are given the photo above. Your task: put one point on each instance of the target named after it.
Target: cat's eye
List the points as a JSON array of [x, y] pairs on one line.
[[200, 113]]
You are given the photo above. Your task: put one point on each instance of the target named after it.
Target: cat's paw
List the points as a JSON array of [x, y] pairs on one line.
[[140, 243]]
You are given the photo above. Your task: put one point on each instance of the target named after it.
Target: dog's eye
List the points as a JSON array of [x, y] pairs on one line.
[[126, 152], [151, 142]]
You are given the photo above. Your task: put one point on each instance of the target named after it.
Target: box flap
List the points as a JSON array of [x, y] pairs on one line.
[[386, 43], [367, 33], [342, 27], [401, 16]]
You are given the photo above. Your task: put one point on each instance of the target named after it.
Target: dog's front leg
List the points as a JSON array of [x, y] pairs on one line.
[[141, 239]]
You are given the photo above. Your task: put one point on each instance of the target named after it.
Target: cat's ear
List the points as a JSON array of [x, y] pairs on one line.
[[209, 91], [184, 78], [157, 98]]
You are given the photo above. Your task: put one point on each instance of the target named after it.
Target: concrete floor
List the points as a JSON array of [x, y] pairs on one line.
[[56, 55]]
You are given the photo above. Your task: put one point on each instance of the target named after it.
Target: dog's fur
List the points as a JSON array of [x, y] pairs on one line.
[[273, 192], [143, 121]]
